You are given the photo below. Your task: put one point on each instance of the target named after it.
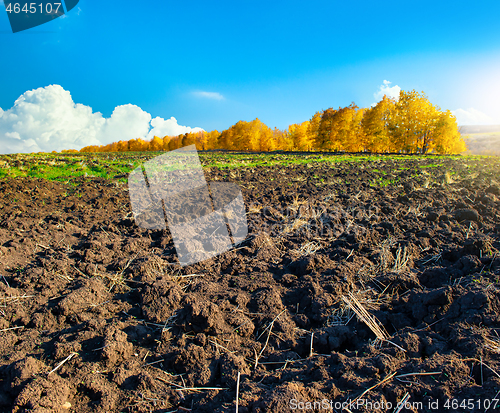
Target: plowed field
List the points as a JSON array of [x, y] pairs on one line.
[[363, 281]]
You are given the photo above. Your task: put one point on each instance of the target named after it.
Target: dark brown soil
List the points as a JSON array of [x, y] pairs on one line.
[[80, 283]]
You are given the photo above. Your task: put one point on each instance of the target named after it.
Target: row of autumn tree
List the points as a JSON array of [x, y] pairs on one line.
[[410, 124]]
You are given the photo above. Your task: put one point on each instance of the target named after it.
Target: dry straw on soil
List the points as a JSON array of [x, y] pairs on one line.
[[363, 315]]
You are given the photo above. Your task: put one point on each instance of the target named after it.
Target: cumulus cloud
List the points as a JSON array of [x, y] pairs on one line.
[[47, 119], [385, 89], [471, 116], [169, 127], [208, 95], [126, 122]]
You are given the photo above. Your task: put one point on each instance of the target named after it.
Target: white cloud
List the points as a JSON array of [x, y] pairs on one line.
[[13, 135], [385, 89], [126, 122], [169, 127], [47, 119], [471, 116], [208, 95]]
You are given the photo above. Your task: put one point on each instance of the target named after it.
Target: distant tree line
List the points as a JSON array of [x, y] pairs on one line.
[[410, 124]]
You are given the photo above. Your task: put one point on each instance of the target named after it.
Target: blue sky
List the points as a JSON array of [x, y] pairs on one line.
[[211, 64]]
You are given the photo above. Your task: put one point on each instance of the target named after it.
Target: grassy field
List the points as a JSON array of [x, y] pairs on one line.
[[64, 167]]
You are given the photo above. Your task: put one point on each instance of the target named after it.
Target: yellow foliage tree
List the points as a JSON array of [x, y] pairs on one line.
[[447, 138], [313, 129], [411, 124], [212, 139], [339, 129], [166, 140], [323, 139], [156, 144], [175, 143], [265, 135], [227, 138], [354, 134], [375, 126], [138, 145], [282, 140], [248, 136], [122, 146], [301, 137]]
